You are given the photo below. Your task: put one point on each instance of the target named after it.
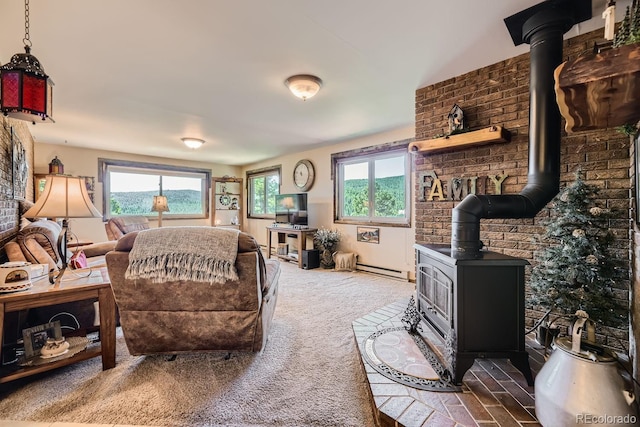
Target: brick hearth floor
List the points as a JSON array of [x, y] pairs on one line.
[[494, 393]]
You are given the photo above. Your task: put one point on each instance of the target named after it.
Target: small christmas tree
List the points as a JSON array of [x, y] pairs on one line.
[[629, 30], [576, 272]]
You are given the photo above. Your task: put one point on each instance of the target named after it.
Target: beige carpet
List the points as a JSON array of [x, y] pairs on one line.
[[308, 374]]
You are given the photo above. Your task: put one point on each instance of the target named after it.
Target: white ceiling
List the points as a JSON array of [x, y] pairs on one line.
[[137, 75]]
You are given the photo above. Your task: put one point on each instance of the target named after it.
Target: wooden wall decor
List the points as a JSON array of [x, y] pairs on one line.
[[600, 91]]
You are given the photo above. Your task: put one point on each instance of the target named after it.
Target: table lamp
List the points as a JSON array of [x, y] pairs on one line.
[[63, 197], [160, 205]]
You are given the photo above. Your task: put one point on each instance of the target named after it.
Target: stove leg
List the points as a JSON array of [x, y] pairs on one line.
[[462, 366], [521, 362]]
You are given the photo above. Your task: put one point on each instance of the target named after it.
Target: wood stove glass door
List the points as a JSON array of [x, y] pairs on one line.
[[435, 290]]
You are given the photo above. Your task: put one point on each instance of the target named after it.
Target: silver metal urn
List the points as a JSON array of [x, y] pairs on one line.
[[580, 384]]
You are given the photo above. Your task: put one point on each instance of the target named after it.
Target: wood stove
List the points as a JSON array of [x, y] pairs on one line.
[[475, 305]]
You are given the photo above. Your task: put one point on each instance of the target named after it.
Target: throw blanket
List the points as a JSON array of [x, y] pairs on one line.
[[199, 254]]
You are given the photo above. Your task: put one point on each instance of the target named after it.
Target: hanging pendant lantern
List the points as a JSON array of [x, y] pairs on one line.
[[26, 92]]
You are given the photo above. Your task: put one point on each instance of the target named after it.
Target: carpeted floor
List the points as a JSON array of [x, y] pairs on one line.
[[308, 374]]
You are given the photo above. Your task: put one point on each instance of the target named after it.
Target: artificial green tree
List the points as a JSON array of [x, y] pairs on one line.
[[576, 271]]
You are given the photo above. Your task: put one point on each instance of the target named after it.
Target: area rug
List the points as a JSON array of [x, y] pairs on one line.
[[308, 374]]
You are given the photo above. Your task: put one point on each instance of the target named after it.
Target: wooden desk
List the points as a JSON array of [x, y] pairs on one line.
[[282, 232], [71, 288]]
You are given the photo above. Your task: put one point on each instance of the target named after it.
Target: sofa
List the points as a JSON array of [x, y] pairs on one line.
[[174, 316]]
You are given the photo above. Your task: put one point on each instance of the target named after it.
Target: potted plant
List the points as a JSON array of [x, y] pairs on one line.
[[326, 241]]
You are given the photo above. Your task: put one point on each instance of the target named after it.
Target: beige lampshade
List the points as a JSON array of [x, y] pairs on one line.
[[160, 204], [63, 197]]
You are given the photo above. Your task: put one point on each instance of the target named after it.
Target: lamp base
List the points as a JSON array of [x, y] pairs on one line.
[[62, 253]]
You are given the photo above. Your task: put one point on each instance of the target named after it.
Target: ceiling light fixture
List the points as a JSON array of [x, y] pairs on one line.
[[193, 143], [26, 91], [303, 86]]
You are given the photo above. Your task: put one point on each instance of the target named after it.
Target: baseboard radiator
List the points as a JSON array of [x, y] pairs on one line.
[[398, 274]]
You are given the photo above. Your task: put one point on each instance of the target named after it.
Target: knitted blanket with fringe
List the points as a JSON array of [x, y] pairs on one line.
[[199, 254]]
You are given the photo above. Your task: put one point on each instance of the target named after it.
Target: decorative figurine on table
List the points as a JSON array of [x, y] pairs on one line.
[[54, 348]]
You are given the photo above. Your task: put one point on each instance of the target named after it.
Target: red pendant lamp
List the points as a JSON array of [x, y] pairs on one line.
[[26, 92]]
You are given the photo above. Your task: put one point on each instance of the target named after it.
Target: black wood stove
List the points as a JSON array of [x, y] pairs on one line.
[[474, 299], [475, 305]]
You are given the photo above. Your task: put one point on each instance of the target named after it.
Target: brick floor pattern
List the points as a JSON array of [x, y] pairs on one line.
[[494, 393]]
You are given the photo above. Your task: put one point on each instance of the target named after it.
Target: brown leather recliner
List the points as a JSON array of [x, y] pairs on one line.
[[118, 226], [38, 243], [189, 316]]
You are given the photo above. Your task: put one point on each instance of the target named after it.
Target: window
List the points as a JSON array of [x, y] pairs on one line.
[[372, 185], [263, 184], [129, 187]]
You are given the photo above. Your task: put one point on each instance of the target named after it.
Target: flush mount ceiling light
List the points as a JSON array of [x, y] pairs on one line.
[[26, 91], [193, 143], [303, 86]]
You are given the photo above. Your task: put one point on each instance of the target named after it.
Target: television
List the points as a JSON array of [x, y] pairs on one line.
[[292, 209]]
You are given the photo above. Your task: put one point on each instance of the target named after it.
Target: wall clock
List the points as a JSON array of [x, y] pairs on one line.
[[303, 175]]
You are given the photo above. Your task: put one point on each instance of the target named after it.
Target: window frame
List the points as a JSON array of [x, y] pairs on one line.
[[370, 155], [104, 166], [256, 173]]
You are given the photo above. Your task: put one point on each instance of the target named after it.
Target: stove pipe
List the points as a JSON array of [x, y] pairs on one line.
[[542, 27]]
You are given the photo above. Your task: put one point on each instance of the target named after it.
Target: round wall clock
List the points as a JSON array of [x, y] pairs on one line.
[[303, 175]]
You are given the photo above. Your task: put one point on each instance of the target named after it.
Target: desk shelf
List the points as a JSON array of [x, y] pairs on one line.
[[301, 235]]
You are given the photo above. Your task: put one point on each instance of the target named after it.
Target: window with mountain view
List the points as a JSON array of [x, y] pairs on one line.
[[373, 188], [129, 188]]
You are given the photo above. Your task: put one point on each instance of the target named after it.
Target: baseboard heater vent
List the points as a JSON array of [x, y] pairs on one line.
[[404, 275]]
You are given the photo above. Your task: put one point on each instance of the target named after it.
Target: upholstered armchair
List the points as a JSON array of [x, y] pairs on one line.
[[174, 314], [118, 226]]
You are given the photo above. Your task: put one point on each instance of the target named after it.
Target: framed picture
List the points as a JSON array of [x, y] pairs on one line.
[[36, 337], [20, 167], [369, 234]]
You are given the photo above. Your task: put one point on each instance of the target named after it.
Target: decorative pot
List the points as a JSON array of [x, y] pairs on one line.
[[326, 257], [575, 388]]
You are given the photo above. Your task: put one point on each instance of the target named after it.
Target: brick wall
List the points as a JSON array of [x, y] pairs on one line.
[[499, 95], [9, 217]]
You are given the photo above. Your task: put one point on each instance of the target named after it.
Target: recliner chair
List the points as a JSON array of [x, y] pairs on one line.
[[118, 226], [189, 316]]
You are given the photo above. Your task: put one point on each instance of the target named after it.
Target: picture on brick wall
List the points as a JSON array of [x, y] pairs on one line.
[[368, 234], [20, 170]]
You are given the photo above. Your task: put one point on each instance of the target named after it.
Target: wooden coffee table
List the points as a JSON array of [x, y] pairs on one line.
[[74, 286]]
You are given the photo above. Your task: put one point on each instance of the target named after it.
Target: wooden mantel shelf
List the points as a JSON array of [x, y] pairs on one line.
[[601, 90], [462, 140]]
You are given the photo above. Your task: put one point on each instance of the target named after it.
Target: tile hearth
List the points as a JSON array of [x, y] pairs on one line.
[[494, 392]]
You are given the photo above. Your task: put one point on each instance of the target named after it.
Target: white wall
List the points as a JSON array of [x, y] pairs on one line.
[[84, 162], [395, 250]]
